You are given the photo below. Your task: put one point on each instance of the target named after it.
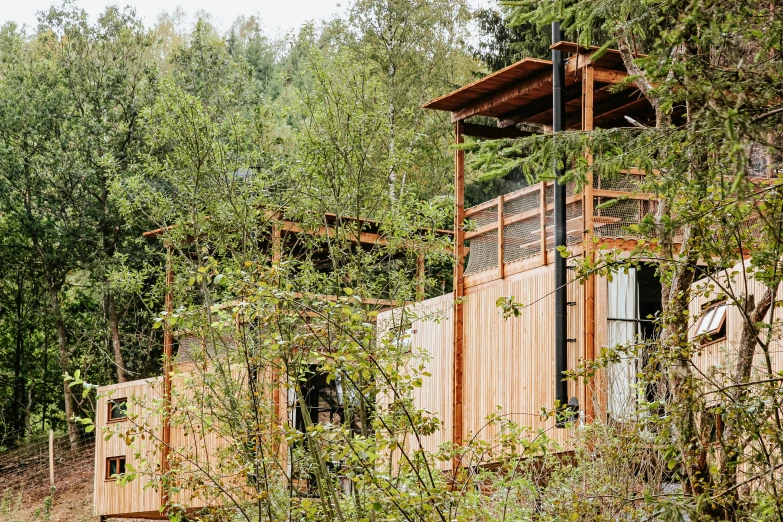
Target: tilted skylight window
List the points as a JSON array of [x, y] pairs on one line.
[[712, 320]]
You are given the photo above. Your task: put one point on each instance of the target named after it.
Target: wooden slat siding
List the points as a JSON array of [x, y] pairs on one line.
[[724, 352], [202, 444], [433, 336], [510, 363], [109, 498], [600, 384]]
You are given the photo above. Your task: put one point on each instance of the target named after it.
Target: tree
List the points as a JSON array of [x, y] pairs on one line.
[[416, 49], [710, 74]]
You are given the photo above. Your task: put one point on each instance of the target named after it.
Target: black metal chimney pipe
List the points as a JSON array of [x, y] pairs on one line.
[[561, 298]]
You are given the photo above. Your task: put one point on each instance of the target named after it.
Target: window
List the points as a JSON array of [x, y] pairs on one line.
[[114, 466], [323, 399], [712, 325], [118, 409]]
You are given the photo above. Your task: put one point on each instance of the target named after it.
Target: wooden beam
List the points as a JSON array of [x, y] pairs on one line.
[[501, 247], [459, 293], [276, 244], [493, 133], [588, 310], [538, 108], [542, 227], [608, 76], [614, 194], [420, 277], [168, 345], [577, 62], [364, 237], [486, 103], [619, 109]]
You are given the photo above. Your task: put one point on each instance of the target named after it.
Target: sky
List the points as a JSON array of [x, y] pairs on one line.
[[277, 16]]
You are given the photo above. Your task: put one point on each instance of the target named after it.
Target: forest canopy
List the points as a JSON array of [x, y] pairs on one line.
[[264, 197]]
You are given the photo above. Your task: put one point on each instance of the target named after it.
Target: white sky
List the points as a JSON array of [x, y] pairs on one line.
[[276, 15]]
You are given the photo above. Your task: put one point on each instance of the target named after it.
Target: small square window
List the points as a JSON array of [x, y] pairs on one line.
[[118, 409], [712, 325], [114, 466]]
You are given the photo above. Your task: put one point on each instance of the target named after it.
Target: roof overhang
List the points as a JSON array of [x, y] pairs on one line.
[[522, 92]]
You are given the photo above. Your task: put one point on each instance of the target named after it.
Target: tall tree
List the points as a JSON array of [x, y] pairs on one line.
[[417, 50], [713, 74]]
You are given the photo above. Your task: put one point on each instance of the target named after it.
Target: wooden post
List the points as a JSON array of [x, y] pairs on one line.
[[588, 87], [51, 458], [501, 247], [420, 277], [459, 292], [276, 243], [168, 348], [542, 195]]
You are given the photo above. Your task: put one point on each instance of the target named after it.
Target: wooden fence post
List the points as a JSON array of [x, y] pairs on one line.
[[501, 246], [51, 458]]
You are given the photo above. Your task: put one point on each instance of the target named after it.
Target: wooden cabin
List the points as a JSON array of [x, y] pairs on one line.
[[478, 360], [126, 410]]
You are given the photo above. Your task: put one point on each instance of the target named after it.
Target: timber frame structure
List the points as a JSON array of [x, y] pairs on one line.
[[513, 236], [134, 500], [504, 247]]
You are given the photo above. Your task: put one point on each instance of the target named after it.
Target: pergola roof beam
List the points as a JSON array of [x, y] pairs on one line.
[[493, 133], [515, 91]]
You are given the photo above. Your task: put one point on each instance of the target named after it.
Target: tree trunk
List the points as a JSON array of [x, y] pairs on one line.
[[65, 362], [733, 446], [15, 418], [119, 362]]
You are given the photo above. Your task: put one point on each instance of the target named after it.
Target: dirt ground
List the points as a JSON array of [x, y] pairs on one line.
[[72, 500], [24, 487]]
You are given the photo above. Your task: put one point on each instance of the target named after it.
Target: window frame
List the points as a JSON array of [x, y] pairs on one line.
[[111, 403], [121, 461], [712, 312]]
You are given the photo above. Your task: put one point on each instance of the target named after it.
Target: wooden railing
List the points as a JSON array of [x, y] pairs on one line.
[[515, 232]]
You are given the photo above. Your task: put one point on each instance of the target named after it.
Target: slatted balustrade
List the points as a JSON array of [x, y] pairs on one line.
[[518, 228]]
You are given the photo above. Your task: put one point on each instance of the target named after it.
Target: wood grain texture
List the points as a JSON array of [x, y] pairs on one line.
[[721, 355], [109, 498], [459, 291]]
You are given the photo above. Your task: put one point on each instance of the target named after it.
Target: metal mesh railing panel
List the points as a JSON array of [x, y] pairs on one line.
[[483, 253], [522, 239], [484, 216], [574, 225], [614, 220], [622, 182], [521, 204]]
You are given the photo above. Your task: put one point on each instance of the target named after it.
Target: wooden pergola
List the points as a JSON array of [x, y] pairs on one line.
[[597, 94]]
